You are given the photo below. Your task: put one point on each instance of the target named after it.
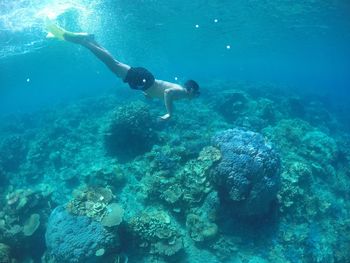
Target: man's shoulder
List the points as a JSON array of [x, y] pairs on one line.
[[168, 85]]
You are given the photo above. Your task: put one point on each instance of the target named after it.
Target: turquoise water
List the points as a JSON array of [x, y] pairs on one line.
[[74, 135]]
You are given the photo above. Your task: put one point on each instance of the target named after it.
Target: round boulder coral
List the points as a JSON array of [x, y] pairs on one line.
[[248, 172], [130, 132], [73, 239]]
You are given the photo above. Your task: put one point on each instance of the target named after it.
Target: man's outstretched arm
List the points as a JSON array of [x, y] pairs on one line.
[[168, 101]]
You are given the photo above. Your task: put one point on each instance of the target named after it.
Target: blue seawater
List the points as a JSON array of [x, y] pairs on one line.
[[81, 151]]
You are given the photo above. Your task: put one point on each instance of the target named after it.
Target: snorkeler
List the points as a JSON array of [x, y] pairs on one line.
[[138, 78]]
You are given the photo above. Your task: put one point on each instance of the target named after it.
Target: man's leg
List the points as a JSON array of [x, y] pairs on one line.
[[101, 53]]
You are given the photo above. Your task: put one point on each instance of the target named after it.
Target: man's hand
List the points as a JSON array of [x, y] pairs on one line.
[[165, 117]]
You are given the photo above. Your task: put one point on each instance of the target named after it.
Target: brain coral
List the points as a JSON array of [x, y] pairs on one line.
[[248, 173], [71, 238]]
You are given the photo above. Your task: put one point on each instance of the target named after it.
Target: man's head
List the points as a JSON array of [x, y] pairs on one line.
[[192, 88]]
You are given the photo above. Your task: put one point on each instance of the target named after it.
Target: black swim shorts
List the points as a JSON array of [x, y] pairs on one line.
[[139, 78]]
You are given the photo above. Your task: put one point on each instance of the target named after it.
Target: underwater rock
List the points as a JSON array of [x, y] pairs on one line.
[[248, 173], [70, 238], [130, 132], [155, 231]]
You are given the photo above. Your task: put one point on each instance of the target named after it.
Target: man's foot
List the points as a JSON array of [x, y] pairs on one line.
[[79, 38]]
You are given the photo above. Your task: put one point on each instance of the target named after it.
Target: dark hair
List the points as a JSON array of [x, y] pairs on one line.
[[193, 86]]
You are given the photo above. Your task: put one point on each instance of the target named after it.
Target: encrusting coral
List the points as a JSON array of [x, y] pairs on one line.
[[190, 184], [156, 232], [96, 203], [22, 213], [200, 221]]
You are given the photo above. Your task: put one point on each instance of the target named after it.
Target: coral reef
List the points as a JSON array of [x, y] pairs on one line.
[[200, 221], [248, 173], [295, 181], [71, 238], [194, 179], [21, 213], [232, 104], [23, 216], [130, 132], [188, 186], [319, 148], [156, 232], [5, 252], [96, 203], [189, 190], [12, 152]]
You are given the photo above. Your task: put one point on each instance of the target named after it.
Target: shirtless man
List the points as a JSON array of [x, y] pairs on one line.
[[137, 77]]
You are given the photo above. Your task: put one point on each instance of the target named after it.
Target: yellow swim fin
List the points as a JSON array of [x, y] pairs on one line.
[[55, 31]]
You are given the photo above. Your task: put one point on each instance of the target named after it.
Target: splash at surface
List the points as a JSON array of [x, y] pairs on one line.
[[22, 23]]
